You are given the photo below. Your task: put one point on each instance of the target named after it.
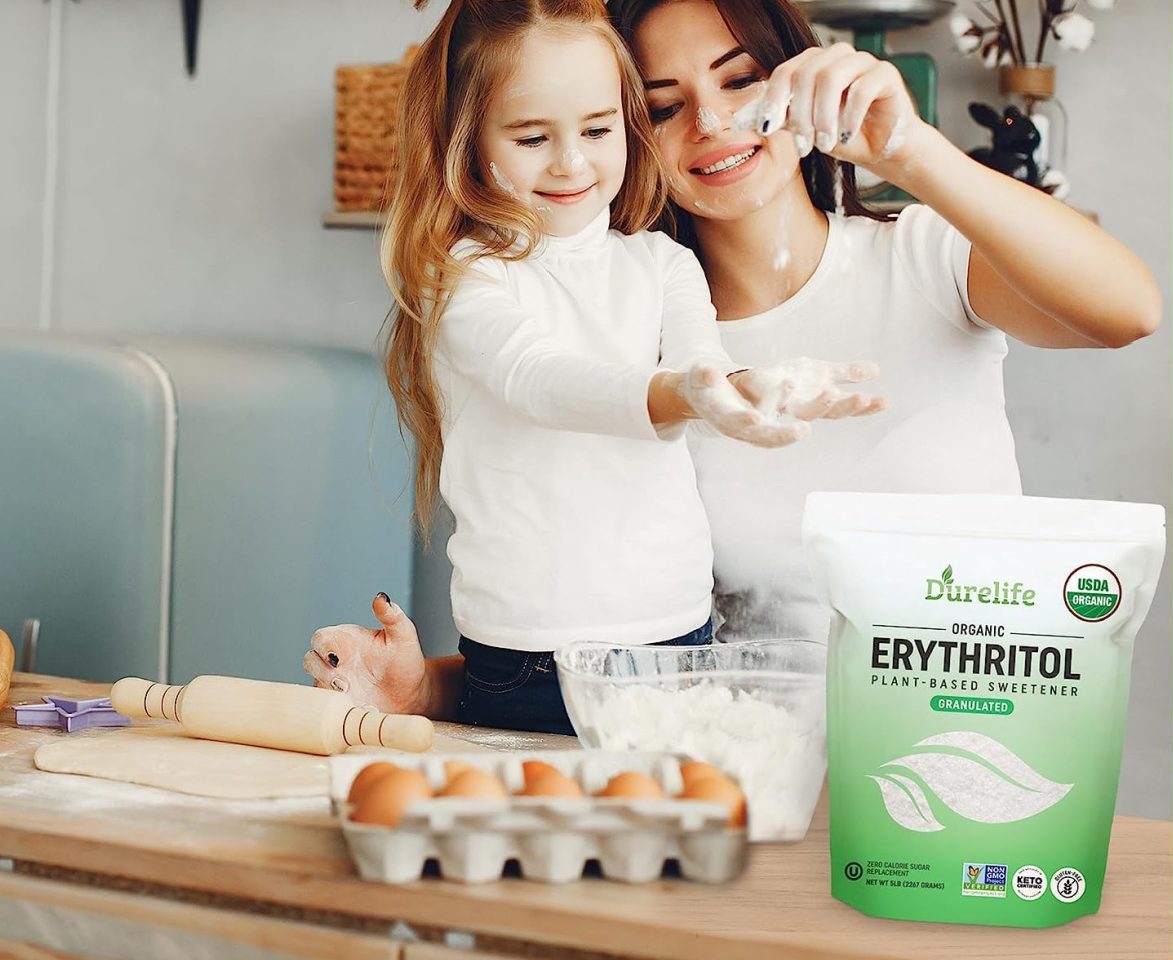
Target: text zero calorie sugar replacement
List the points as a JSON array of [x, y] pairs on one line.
[[977, 680]]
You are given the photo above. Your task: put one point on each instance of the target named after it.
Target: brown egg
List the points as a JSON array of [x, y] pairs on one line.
[[719, 790], [552, 784], [693, 770], [367, 776], [385, 800], [453, 768], [533, 769], [632, 786], [474, 783]]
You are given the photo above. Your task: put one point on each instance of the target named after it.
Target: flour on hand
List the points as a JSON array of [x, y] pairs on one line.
[[716, 401], [810, 389]]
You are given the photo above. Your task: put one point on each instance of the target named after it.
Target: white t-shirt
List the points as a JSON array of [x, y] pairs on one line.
[[895, 293], [575, 518]]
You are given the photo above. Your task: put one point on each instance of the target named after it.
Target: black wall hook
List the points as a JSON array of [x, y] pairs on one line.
[[191, 31]]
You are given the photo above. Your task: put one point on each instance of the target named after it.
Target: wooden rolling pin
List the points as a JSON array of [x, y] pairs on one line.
[[265, 714]]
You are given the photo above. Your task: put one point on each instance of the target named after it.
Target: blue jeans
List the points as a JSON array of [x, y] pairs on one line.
[[518, 689]]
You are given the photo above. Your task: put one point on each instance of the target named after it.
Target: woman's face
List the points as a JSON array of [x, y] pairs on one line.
[[696, 78]]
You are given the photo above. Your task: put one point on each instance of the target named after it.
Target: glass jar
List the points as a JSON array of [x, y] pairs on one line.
[[1031, 88]]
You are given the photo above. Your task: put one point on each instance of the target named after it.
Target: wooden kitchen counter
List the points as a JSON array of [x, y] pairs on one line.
[[289, 868]]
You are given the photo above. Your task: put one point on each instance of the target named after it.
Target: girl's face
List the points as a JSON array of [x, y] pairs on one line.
[[553, 133], [697, 77]]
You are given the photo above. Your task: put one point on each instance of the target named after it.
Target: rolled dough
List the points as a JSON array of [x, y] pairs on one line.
[[165, 757]]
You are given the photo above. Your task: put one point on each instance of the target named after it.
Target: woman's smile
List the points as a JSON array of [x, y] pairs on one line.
[[726, 165]]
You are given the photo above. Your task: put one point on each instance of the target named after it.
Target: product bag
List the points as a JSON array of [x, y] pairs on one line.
[[977, 685]]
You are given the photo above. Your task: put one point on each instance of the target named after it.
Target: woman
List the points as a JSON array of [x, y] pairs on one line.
[[913, 295], [930, 296]]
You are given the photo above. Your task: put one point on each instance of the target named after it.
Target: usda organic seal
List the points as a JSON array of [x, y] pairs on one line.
[[1092, 592]]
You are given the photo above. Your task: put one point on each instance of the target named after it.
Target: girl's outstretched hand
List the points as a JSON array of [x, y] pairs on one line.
[[719, 403], [844, 102], [810, 389], [383, 669]]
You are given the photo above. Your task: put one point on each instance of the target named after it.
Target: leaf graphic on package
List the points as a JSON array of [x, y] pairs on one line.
[[997, 755], [906, 803], [992, 785], [947, 574]]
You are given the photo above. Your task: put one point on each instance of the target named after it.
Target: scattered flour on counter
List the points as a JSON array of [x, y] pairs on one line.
[[777, 755]]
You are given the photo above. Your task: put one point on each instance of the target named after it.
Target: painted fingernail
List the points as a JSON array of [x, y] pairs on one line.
[[802, 144], [386, 599], [824, 142]]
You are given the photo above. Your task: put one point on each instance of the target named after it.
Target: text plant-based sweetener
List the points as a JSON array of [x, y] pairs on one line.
[[977, 680]]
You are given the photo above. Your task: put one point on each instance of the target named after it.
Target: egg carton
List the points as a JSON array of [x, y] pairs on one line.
[[551, 838]]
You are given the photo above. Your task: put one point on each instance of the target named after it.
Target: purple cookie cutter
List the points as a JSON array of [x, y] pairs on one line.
[[69, 714]]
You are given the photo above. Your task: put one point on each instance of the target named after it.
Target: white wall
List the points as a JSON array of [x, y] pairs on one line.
[[192, 206]]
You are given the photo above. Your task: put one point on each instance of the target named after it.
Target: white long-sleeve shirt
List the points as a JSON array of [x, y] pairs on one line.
[[575, 518]]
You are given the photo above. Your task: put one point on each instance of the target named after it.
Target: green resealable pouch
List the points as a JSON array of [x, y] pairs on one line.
[[977, 680]]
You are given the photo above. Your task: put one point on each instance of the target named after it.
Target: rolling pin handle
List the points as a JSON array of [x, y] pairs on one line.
[[135, 697], [397, 731]]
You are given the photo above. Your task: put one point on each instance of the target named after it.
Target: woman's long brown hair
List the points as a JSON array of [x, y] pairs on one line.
[[770, 31], [441, 196]]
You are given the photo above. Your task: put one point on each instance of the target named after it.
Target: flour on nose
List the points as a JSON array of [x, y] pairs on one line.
[[707, 121], [573, 161]]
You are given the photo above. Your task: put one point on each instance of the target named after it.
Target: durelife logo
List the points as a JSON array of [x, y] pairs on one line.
[[996, 592]]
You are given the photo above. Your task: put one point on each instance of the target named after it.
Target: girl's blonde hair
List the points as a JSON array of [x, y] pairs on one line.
[[441, 197]]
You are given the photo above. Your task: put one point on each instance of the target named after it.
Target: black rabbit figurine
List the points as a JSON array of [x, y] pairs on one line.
[[1015, 141]]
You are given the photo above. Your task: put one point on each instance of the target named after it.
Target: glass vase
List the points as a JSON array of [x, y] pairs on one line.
[[1031, 88]]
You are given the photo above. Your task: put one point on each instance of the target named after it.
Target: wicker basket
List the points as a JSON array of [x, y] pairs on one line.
[[366, 113]]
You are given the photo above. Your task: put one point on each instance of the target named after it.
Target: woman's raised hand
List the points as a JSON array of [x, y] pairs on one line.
[[844, 102]]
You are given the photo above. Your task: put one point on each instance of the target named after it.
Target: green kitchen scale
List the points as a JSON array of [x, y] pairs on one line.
[[869, 21]]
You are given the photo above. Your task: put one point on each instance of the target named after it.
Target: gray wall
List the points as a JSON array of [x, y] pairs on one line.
[[1090, 424], [193, 207]]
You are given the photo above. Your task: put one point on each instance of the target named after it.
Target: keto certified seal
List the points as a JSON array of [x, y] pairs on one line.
[[1029, 883]]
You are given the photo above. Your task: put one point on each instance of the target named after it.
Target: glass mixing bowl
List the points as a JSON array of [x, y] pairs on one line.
[[756, 709]]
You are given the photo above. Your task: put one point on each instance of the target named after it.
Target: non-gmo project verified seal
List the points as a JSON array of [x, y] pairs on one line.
[[983, 880]]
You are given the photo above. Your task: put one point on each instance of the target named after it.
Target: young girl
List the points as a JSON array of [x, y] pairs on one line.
[[547, 352]]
